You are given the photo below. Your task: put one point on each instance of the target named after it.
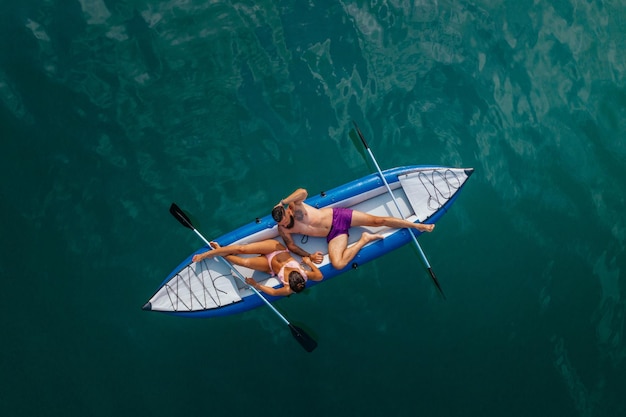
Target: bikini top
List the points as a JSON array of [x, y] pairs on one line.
[[291, 264]]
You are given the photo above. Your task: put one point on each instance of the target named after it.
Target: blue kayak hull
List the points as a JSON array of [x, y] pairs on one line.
[[440, 183]]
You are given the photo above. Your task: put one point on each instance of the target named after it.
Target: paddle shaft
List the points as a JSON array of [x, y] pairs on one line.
[[398, 207], [415, 242], [306, 341], [242, 279]]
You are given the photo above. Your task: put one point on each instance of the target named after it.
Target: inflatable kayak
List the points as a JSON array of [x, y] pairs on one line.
[[209, 288]]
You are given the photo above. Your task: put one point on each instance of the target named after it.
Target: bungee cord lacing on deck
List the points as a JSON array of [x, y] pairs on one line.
[[436, 193], [210, 294]]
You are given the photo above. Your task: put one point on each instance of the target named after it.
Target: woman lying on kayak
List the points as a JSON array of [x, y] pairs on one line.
[[274, 258]]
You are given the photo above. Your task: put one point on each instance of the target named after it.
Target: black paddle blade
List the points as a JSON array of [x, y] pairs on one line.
[[303, 338], [436, 282], [358, 131], [180, 216], [358, 145]]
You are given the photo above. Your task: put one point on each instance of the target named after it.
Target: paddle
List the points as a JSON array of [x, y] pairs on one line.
[[417, 245], [300, 335]]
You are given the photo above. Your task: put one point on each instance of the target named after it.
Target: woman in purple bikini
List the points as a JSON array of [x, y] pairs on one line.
[[333, 223], [274, 259]]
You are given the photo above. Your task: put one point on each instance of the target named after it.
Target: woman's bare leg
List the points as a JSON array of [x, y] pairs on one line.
[[261, 248], [258, 263]]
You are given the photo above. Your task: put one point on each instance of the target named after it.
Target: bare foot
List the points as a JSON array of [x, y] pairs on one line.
[[425, 227], [199, 257], [205, 255], [368, 237]]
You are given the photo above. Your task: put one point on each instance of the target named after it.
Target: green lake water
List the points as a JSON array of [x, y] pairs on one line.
[[110, 110]]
